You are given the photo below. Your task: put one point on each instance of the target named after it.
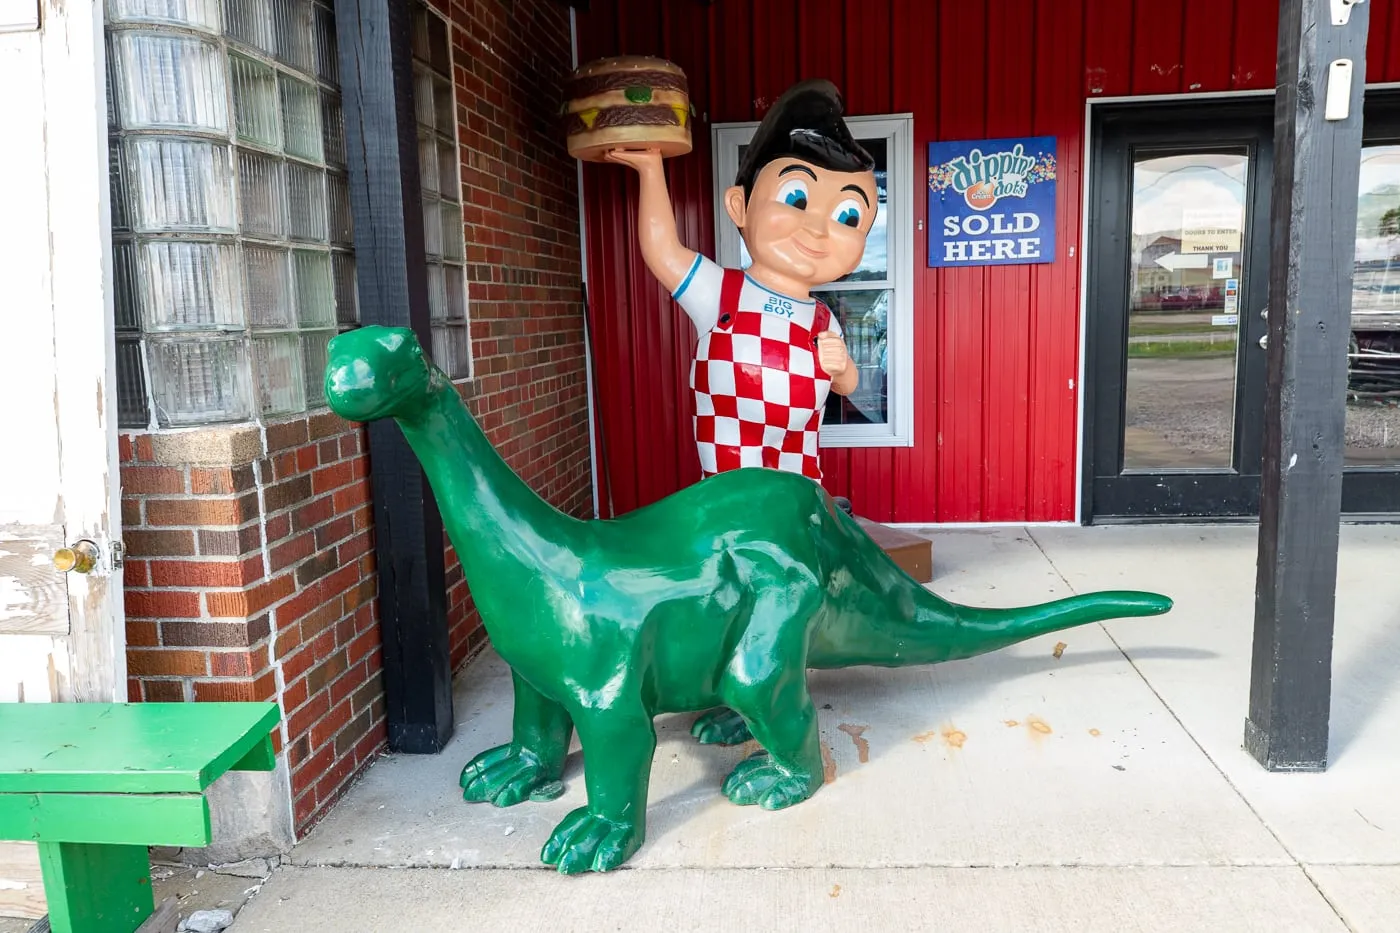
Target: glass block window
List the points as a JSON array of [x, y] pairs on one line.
[[232, 237], [443, 225]]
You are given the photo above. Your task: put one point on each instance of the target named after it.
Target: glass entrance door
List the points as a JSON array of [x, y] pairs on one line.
[[1177, 293], [1177, 313]]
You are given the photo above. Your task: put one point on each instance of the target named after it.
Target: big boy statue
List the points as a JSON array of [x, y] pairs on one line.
[[768, 353]]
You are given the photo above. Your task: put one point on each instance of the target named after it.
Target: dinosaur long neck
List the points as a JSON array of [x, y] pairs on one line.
[[502, 531]]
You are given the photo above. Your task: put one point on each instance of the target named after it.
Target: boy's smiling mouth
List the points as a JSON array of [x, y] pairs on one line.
[[814, 253]]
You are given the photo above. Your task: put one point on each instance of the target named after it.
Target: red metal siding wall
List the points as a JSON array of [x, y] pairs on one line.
[[996, 349]]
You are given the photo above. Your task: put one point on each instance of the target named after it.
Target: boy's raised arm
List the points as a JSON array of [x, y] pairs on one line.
[[667, 258]]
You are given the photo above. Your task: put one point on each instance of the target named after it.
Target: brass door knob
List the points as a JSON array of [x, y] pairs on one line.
[[82, 557]]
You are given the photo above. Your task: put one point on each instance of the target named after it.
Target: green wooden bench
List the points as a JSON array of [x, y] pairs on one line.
[[96, 784]]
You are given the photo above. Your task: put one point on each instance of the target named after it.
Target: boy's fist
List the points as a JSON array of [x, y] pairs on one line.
[[832, 355]]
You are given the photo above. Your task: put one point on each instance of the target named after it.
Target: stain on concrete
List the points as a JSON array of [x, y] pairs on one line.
[[836, 890], [862, 746], [1010, 723], [828, 764], [1095, 733], [1038, 726], [923, 737], [954, 738], [1060, 649]]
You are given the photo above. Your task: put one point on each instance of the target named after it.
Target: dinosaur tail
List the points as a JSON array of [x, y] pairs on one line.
[[878, 615]]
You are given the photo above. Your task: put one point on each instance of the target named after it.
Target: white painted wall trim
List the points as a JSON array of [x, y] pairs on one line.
[[583, 262]]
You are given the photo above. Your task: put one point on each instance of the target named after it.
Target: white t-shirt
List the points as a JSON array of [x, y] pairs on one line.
[[699, 295]]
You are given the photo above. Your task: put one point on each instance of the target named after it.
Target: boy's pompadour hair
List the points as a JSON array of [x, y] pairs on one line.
[[805, 123]]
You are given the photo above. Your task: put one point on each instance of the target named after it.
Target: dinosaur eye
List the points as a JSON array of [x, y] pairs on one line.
[[848, 213], [793, 193]]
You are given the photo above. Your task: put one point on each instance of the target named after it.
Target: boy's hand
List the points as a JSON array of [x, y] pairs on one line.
[[832, 355], [645, 161]]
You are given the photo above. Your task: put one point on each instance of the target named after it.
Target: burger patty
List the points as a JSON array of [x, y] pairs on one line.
[[631, 115], [590, 85]]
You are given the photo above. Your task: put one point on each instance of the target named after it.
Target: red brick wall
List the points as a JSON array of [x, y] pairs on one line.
[[520, 191], [251, 572], [253, 579]]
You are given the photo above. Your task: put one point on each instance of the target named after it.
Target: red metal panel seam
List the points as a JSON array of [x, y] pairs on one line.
[[1108, 61], [1392, 72], [1063, 480], [962, 393], [915, 478], [656, 429], [1206, 50], [1378, 42], [1256, 46], [1156, 64], [1007, 306], [676, 399]]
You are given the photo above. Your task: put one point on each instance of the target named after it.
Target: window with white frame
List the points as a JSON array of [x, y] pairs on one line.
[[875, 302]]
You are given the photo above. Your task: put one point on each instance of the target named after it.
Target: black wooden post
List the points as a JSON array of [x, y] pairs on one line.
[[1317, 164], [381, 135]]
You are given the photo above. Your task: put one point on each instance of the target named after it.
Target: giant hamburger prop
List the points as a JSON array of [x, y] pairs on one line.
[[630, 102]]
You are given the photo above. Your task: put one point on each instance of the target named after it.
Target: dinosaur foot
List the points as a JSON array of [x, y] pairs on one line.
[[761, 780], [584, 841], [505, 776], [721, 726]]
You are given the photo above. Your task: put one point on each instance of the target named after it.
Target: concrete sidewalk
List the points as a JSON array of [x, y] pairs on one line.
[[1102, 790]]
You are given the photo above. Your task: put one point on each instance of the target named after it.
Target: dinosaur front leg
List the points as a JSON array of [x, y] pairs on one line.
[[532, 763], [617, 749]]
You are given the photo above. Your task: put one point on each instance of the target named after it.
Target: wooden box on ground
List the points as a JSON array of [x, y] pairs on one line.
[[911, 552]]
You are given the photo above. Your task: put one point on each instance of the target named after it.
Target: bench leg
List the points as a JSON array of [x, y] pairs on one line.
[[96, 888]]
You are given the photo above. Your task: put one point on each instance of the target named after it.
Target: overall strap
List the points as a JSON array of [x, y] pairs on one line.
[[730, 287], [821, 318]]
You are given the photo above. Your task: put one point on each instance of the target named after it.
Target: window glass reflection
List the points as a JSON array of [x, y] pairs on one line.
[[1373, 377]]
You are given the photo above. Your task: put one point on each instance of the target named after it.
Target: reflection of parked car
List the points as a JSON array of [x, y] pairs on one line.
[[1373, 361], [1374, 354]]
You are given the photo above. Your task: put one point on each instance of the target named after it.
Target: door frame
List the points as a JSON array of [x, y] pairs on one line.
[[62, 60], [1362, 483], [1237, 488]]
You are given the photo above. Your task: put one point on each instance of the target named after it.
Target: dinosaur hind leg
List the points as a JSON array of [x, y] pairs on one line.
[[532, 764], [721, 726]]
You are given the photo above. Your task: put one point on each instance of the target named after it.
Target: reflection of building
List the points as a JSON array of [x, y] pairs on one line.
[[1165, 279]]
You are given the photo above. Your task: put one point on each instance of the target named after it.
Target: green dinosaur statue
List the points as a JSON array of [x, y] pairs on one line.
[[724, 593]]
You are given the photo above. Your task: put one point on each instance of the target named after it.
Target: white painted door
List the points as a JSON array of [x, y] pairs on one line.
[[62, 636]]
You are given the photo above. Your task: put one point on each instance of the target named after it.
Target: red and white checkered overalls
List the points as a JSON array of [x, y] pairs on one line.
[[759, 389]]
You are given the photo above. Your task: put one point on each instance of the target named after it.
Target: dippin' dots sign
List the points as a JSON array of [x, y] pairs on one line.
[[992, 202]]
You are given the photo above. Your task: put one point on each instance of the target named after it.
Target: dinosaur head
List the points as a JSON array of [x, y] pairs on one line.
[[377, 372]]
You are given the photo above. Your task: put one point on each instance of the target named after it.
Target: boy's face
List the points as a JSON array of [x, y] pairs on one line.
[[805, 222]]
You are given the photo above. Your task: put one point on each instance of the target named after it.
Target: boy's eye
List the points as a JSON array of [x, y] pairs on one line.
[[793, 193], [848, 213]]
